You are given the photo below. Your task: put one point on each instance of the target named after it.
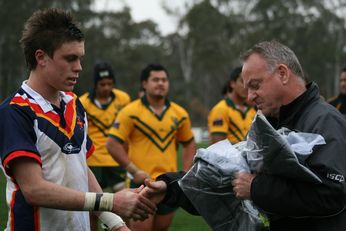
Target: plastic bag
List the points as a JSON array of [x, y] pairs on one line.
[[208, 183]]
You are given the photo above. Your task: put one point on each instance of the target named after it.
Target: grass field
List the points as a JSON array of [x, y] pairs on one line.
[[182, 220]]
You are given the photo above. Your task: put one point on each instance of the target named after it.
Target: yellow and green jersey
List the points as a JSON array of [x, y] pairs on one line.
[[100, 119], [153, 139], [226, 119]]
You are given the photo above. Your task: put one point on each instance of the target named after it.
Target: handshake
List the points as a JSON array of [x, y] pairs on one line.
[[138, 204]]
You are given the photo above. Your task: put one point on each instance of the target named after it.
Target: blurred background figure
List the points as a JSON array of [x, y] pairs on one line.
[[102, 105], [152, 126], [339, 101], [231, 117]]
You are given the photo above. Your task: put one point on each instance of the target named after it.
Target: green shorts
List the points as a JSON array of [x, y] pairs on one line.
[[109, 176], [162, 209]]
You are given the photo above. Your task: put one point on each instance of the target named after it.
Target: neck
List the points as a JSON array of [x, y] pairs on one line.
[[46, 91], [156, 103], [103, 99], [294, 90], [237, 100]]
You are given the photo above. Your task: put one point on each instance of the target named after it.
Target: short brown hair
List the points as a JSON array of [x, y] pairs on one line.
[[47, 30]]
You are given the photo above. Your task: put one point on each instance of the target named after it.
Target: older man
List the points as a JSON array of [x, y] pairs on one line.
[[276, 84]]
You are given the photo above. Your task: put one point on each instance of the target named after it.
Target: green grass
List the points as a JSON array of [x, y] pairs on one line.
[[182, 220]]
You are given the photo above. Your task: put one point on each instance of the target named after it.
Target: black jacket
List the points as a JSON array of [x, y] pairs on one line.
[[293, 205]]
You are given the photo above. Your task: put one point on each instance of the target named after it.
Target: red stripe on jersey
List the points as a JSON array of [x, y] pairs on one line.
[[91, 151], [70, 115], [13, 199], [37, 218], [17, 154]]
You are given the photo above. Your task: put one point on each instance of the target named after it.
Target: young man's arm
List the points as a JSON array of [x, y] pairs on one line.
[[39, 192]]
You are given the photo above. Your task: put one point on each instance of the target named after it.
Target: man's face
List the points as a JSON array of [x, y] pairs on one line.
[[238, 88], [157, 84], [62, 70], [343, 83], [104, 87], [265, 89]]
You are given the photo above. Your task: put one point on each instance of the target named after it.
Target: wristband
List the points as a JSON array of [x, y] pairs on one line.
[[98, 201], [132, 168], [111, 220]]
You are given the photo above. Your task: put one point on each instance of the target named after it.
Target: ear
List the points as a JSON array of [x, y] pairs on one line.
[[41, 58], [283, 73], [144, 84], [232, 84]]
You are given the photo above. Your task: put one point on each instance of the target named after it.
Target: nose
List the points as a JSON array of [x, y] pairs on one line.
[[78, 66], [251, 95]]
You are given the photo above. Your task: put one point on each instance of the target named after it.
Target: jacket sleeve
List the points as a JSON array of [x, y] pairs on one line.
[[175, 196], [289, 197]]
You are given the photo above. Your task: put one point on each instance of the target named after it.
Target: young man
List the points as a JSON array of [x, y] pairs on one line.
[[152, 126], [102, 105], [231, 118], [340, 101], [275, 82], [44, 142]]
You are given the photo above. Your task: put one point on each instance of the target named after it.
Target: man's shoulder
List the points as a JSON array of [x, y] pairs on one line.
[[220, 106], [84, 96], [121, 94], [133, 107], [177, 107]]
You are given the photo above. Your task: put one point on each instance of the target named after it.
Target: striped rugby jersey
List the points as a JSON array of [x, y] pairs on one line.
[[152, 139], [57, 139], [226, 119], [100, 120]]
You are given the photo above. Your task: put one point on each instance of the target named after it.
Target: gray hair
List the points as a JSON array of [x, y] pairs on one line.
[[276, 53]]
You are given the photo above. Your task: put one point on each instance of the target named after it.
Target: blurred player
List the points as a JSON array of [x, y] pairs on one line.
[[231, 117], [102, 105], [152, 126]]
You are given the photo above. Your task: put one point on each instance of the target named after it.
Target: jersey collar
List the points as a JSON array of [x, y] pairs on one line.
[[43, 103]]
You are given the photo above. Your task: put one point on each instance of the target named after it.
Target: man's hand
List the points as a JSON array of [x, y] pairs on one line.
[[122, 228], [154, 190], [128, 204], [139, 176], [242, 185]]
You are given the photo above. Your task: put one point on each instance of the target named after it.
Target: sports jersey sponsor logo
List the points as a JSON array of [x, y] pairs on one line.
[[218, 122], [70, 149]]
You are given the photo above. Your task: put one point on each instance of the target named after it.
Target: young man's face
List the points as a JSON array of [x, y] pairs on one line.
[[343, 83], [62, 70], [265, 89], [104, 87], [157, 84]]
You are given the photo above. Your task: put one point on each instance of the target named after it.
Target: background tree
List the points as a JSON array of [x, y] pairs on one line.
[[199, 54]]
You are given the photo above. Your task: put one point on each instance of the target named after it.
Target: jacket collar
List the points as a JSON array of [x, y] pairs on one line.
[[289, 112]]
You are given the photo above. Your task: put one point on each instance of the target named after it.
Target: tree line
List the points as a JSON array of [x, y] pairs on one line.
[[202, 51]]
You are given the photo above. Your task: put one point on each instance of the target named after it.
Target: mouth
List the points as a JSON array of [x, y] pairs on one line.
[[72, 80]]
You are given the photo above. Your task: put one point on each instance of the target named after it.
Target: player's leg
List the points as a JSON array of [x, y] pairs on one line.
[[115, 178], [146, 225], [163, 217]]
